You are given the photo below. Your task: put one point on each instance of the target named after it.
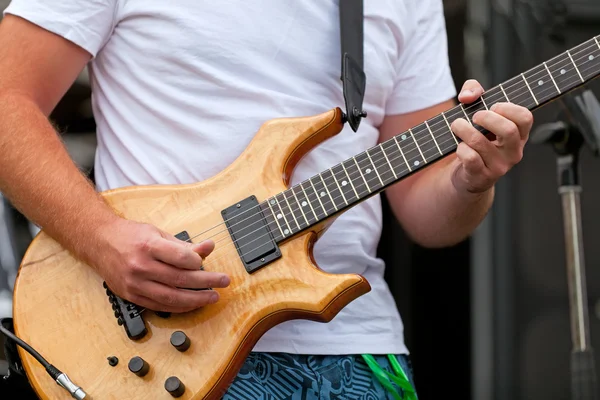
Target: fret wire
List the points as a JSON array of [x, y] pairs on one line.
[[464, 112], [353, 172], [327, 190], [291, 209], [417, 144], [530, 91], [401, 152], [577, 69], [483, 101], [363, 176], [433, 137], [395, 157], [597, 42], [374, 168], [309, 201], [300, 206], [388, 161], [283, 213], [275, 218], [338, 185], [502, 88], [449, 128], [350, 180], [551, 77], [319, 197]]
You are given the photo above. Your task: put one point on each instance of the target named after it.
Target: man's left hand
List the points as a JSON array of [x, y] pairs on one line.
[[481, 161]]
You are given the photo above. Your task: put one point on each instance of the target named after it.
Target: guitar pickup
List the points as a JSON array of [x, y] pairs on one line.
[[250, 234], [128, 315]]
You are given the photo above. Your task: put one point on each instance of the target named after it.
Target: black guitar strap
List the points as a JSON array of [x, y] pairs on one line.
[[353, 77]]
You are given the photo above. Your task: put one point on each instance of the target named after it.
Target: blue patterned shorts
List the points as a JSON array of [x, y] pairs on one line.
[[281, 376]]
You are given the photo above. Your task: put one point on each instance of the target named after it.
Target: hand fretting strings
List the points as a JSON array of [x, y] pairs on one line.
[[456, 111]]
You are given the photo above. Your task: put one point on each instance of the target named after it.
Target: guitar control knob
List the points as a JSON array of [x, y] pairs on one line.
[[174, 386], [180, 341], [138, 366]]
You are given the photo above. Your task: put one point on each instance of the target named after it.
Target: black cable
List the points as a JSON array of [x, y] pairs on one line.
[[23, 344]]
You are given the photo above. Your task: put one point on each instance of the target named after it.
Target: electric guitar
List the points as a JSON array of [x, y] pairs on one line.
[[264, 230]]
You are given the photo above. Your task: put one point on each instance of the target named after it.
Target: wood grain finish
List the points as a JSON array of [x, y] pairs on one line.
[[61, 309]]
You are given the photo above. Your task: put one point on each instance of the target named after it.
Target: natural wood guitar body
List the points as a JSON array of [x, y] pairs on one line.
[[62, 310]]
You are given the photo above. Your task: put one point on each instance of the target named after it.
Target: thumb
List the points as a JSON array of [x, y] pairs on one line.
[[203, 248]]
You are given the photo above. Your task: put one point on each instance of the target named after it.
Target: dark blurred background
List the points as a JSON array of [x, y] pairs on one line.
[[487, 319]]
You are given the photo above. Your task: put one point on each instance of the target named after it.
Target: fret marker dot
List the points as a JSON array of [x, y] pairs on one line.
[[563, 71], [403, 137], [273, 202], [279, 216], [368, 171], [304, 204], [344, 183], [591, 57], [417, 163], [541, 83], [286, 231], [322, 194]]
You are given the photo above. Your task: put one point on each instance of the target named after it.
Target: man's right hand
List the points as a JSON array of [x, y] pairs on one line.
[[153, 269]]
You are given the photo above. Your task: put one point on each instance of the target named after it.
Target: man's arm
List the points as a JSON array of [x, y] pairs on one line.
[[140, 263], [36, 172], [442, 204]]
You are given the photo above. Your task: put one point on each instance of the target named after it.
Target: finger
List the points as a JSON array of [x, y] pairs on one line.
[[471, 160], [470, 91], [186, 279], [150, 304], [176, 254], [204, 248], [505, 130], [489, 153], [170, 297], [520, 116]]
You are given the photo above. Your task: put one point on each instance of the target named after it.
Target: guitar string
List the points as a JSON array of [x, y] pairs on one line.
[[269, 224], [293, 210], [499, 95], [353, 176], [542, 72]]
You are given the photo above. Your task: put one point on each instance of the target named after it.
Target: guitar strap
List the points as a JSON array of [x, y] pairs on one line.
[[353, 76], [354, 83]]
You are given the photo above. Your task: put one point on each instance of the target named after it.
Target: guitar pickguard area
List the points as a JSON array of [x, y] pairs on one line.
[[250, 233]]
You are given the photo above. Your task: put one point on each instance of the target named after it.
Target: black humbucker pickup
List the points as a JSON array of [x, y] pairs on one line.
[[250, 233]]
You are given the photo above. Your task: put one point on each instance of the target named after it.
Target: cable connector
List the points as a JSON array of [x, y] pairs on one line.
[[64, 381], [76, 392]]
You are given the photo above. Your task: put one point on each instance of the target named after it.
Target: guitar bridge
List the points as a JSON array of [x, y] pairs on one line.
[[128, 315]]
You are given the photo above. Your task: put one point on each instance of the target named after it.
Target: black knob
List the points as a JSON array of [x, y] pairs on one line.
[[174, 386], [180, 341], [138, 366], [112, 361]]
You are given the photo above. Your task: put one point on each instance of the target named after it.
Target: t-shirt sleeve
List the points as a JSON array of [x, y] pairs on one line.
[[87, 23], [423, 77]]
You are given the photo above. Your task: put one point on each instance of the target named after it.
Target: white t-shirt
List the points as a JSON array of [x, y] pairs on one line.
[[180, 87]]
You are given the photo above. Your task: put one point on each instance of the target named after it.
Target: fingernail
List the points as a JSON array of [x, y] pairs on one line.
[[225, 281], [467, 92], [214, 298]]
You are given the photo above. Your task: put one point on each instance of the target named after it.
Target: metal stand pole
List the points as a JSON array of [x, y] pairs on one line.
[[583, 371], [567, 139]]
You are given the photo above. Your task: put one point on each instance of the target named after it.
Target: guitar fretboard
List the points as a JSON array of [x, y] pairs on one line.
[[373, 170]]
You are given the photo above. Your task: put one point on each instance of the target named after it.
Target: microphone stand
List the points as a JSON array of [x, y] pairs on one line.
[[579, 125]]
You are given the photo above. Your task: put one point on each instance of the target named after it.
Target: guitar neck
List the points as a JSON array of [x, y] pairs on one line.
[[370, 172]]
